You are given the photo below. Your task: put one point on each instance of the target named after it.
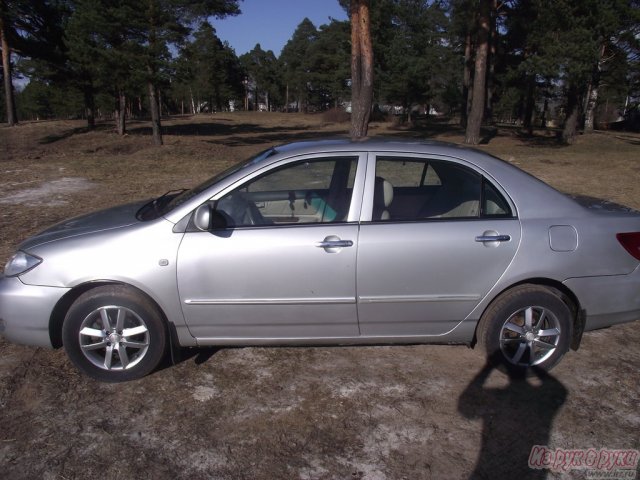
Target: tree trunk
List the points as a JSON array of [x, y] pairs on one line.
[[592, 94], [121, 106], [545, 110], [466, 81], [491, 61], [286, 99], [530, 104], [156, 127], [472, 136], [89, 106], [361, 68], [570, 130], [154, 105], [219, 105], [12, 118], [255, 98]]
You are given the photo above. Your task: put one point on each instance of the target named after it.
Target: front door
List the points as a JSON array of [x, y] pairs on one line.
[[284, 268]]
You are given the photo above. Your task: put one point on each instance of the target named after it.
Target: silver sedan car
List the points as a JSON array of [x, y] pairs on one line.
[[331, 242]]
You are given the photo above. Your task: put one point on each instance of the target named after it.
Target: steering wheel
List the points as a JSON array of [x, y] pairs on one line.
[[252, 215]]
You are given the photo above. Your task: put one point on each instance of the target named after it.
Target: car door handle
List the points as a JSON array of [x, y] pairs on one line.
[[493, 238], [334, 243]]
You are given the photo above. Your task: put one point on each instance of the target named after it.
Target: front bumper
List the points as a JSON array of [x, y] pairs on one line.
[[25, 311], [608, 300]]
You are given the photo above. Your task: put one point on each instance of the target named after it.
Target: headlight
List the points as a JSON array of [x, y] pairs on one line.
[[20, 263]]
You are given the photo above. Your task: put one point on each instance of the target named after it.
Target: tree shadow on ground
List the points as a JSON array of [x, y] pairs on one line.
[[53, 138], [443, 127], [627, 138], [428, 127], [216, 129], [285, 136], [545, 138], [515, 418]]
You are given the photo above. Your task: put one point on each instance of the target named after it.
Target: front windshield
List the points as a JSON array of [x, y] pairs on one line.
[[162, 208]]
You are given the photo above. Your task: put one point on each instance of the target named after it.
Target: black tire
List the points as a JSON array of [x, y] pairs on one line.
[[114, 334], [512, 329]]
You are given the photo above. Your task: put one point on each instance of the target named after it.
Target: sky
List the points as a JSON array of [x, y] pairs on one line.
[[271, 23]]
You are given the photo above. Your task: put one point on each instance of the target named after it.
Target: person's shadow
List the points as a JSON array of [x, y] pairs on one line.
[[515, 418]]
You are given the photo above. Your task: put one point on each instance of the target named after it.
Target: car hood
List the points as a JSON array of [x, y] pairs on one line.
[[101, 220]]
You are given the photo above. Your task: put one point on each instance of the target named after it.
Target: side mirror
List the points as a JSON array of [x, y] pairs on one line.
[[206, 218], [202, 217]]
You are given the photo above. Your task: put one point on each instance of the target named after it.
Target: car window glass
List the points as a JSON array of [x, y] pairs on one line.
[[400, 173], [416, 189], [431, 177], [314, 191], [493, 203], [307, 175]]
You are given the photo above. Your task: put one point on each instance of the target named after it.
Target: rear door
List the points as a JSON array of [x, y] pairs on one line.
[[449, 236]]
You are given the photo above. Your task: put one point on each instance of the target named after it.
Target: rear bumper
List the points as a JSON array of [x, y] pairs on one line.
[[25, 311], [608, 300]]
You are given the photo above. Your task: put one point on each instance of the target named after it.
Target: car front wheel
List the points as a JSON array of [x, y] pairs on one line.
[[114, 334], [526, 327]]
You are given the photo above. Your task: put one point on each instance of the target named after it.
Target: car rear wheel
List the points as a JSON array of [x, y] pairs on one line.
[[114, 334], [526, 327]]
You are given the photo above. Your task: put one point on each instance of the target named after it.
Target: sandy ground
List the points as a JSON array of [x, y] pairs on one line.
[[402, 412]]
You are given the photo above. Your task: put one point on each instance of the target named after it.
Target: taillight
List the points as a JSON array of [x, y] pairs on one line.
[[630, 242]]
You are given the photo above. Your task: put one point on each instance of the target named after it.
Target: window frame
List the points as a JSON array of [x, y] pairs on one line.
[[368, 201], [355, 205]]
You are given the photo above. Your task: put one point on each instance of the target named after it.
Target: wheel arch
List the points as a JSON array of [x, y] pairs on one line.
[[59, 312], [561, 291]]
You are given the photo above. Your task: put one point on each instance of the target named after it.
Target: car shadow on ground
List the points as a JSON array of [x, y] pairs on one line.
[[178, 355], [515, 418]]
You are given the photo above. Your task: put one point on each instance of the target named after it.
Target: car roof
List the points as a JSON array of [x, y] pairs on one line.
[[369, 143], [533, 197], [387, 144]]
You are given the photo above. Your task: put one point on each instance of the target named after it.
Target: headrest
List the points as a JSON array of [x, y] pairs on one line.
[[383, 195]]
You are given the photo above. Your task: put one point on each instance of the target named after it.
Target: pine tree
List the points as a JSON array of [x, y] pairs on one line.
[[29, 30], [328, 64], [262, 68], [293, 58]]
